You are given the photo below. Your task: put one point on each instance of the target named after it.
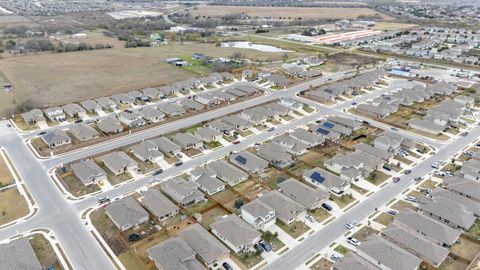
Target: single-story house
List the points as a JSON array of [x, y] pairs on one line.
[[326, 180], [286, 209], [56, 137], [183, 192], [307, 196], [248, 162], [126, 213], [88, 172], [227, 172], [110, 125], [174, 253], [258, 214], [119, 162], [158, 204], [83, 132], [235, 233]]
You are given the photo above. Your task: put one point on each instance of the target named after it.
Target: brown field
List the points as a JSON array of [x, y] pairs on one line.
[[13, 20], [12, 205], [384, 26], [56, 79], [6, 177], [287, 12]]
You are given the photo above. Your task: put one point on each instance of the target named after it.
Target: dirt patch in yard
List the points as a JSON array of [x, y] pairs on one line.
[[6, 177], [44, 251], [364, 232], [322, 264], [384, 219], [466, 249]]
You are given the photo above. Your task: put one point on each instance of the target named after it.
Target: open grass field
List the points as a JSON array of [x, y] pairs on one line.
[[12, 205], [287, 13], [56, 79]]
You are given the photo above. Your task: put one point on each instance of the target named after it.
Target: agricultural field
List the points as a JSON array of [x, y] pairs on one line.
[[287, 13]]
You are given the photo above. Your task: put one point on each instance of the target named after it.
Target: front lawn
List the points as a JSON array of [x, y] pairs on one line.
[[295, 229]]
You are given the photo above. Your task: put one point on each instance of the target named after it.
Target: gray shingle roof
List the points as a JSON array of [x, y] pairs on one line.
[[427, 226], [351, 261], [286, 209], [83, 131], [416, 244], [235, 230], [126, 211], [388, 254], [203, 243], [18, 255], [87, 171], [158, 203], [174, 254], [303, 194]]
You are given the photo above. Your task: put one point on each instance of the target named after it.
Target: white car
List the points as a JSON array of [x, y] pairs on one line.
[[310, 218], [351, 225], [353, 241], [335, 257], [411, 198]]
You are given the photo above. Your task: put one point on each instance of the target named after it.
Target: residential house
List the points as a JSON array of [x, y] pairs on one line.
[[248, 75], [258, 214], [425, 125], [307, 196], [83, 132], [291, 104], [210, 250], [373, 151], [91, 106], [55, 114], [352, 166], [227, 172], [433, 230], [34, 117], [276, 154], [207, 134], [158, 204], [110, 125], [119, 162], [471, 205], [152, 93], [448, 212], [467, 101], [131, 119], [126, 213], [147, 151], [210, 184], [286, 209], [293, 146], [311, 139], [221, 126], [465, 187], [353, 261], [171, 109], [74, 110], [191, 105], [166, 146], [386, 255], [174, 253], [248, 162], [122, 99], [88, 172], [19, 254], [200, 171], [152, 115], [107, 103], [237, 122], [326, 180], [183, 192], [346, 122], [187, 140], [55, 138], [416, 244], [235, 233]]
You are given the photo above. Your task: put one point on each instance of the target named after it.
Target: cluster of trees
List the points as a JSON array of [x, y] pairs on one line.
[[46, 45]]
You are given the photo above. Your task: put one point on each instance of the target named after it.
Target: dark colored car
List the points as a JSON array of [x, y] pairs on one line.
[[157, 172], [327, 207], [266, 246], [226, 266]]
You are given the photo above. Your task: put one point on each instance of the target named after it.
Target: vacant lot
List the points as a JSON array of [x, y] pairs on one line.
[[12, 205], [56, 79], [5, 175], [287, 13], [44, 252]]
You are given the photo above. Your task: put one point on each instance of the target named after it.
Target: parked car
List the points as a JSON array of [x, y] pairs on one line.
[[179, 155], [354, 103], [335, 257], [258, 247], [351, 224], [157, 172], [180, 163], [396, 179], [271, 129], [353, 241], [394, 129], [411, 199], [236, 142], [103, 199], [265, 246], [464, 134], [226, 266], [327, 207], [418, 178], [392, 212], [310, 218], [408, 171]]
